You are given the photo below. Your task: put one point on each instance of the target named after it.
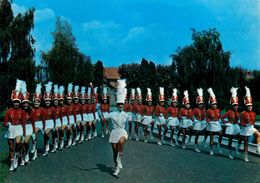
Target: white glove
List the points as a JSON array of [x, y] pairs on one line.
[[8, 124], [161, 114], [33, 136]]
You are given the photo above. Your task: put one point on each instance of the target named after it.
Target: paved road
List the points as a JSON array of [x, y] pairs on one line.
[[143, 162]]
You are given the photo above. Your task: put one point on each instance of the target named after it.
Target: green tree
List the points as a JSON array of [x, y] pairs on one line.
[[64, 61], [98, 73]]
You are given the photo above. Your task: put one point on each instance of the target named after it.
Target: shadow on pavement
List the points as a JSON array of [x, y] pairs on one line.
[[101, 167]]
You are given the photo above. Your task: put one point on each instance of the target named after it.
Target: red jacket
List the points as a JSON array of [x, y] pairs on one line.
[[233, 116], [173, 111], [212, 115], [184, 112], [199, 114], [77, 110], [160, 109], [247, 117], [138, 109], [38, 114], [50, 113], [105, 107], [148, 110], [128, 108]]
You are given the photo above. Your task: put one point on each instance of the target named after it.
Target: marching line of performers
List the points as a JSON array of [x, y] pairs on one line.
[[82, 111], [24, 122], [193, 122]]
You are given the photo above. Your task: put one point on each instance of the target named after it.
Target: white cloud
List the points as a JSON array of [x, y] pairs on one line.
[[132, 33], [18, 9], [44, 14], [99, 25]]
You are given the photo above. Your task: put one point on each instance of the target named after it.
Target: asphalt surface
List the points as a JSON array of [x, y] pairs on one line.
[[142, 162]]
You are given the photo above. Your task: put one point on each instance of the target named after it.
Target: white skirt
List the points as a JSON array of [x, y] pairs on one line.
[[78, 118], [185, 123], [14, 131], [64, 120], [131, 116], [214, 126], [49, 124], [90, 117], [72, 120], [85, 117], [58, 122], [29, 129], [147, 120], [106, 115], [199, 125], [116, 134], [160, 120], [247, 130], [232, 129], [173, 121], [39, 125], [139, 118]]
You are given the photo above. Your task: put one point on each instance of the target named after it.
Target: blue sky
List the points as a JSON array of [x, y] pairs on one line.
[[124, 31]]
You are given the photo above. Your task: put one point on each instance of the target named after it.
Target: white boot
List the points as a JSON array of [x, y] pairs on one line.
[[163, 141], [26, 158], [15, 161], [56, 143], [61, 144], [33, 147], [106, 131], [47, 148], [189, 140], [74, 142], [183, 146], [22, 161], [53, 149], [177, 141], [230, 155], [95, 133], [102, 135], [34, 155], [171, 143], [89, 136], [77, 137], [246, 157], [69, 142], [81, 138], [12, 165], [119, 161], [117, 171], [159, 142], [197, 148], [145, 139], [211, 151], [136, 138]]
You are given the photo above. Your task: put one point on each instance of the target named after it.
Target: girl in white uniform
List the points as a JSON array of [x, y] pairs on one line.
[[119, 120]]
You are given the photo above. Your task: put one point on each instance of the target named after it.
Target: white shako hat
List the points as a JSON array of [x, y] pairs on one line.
[[174, 95], [185, 99], [234, 98], [149, 97], [248, 98], [212, 97], [139, 94], [199, 99], [121, 92], [161, 94]]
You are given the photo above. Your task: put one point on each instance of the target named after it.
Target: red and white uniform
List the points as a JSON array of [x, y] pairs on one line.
[[199, 119], [14, 119], [186, 117], [148, 112], [173, 116], [161, 115], [138, 110], [212, 119], [58, 115], [71, 114], [50, 116], [38, 118], [28, 123], [247, 122], [78, 116], [84, 111], [91, 112], [232, 123], [105, 109], [64, 113]]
